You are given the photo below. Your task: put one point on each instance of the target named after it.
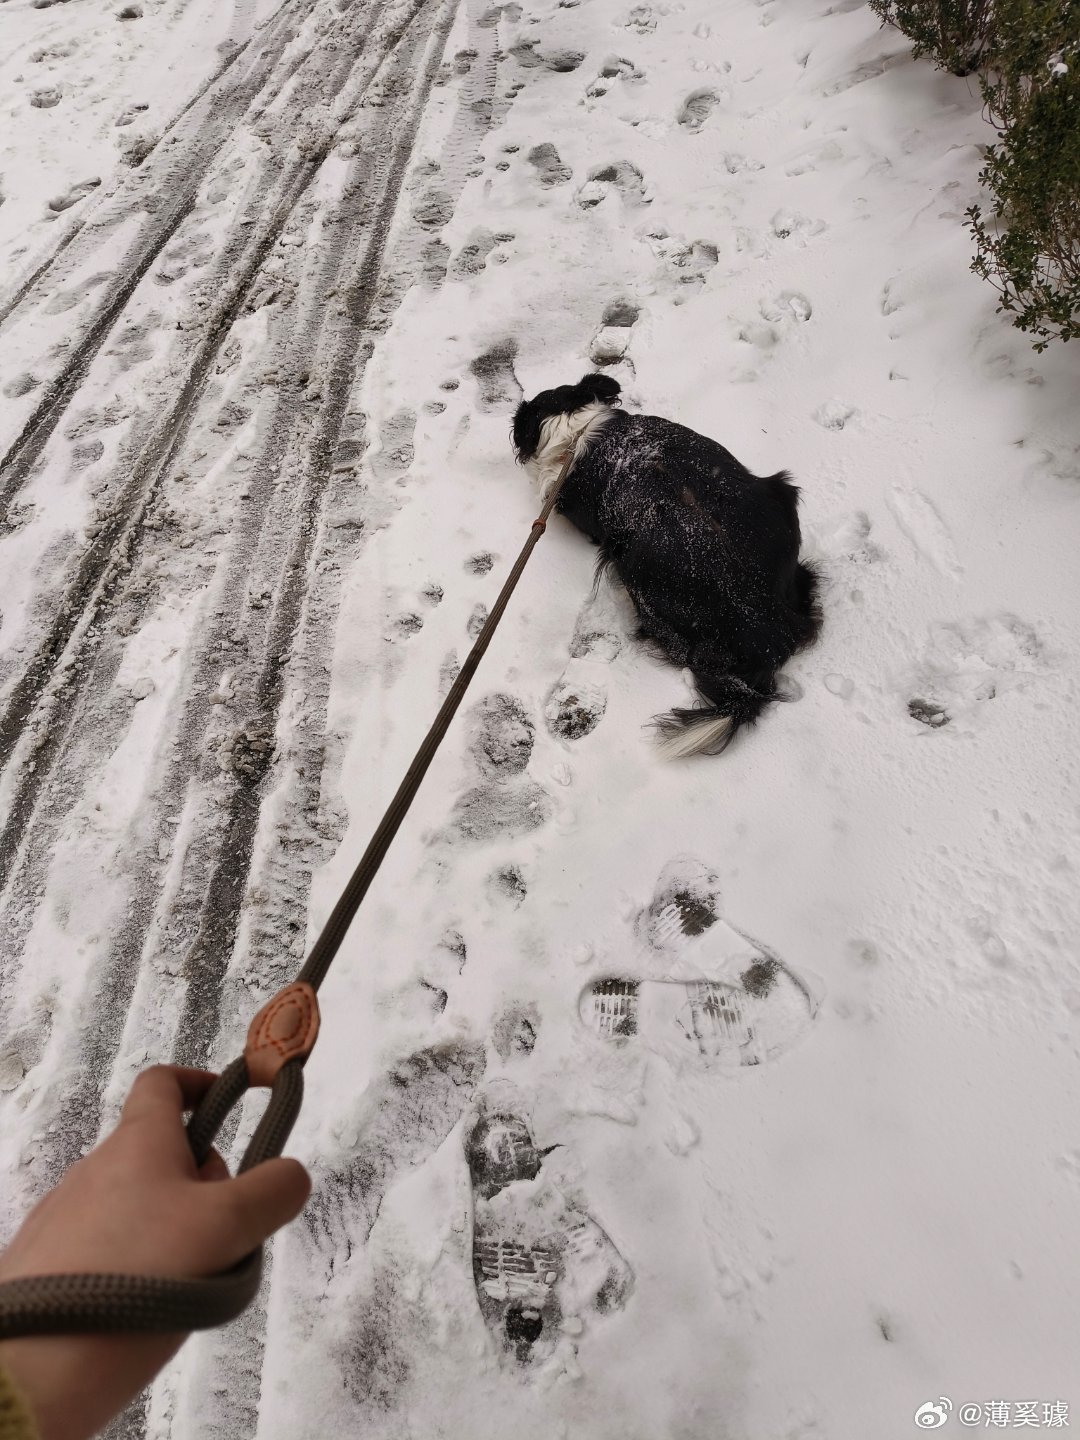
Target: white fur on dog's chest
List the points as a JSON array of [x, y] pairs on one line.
[[560, 434]]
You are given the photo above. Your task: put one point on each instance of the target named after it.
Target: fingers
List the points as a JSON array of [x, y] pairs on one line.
[[214, 1168], [264, 1199], [152, 1117], [164, 1091]]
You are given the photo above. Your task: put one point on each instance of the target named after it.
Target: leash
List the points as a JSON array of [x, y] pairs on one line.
[[279, 1041]]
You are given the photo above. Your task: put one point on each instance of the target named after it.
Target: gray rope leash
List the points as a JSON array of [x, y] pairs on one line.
[[279, 1041]]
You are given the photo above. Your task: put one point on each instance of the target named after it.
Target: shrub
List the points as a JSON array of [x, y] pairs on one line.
[[1028, 246], [1030, 51], [957, 33]]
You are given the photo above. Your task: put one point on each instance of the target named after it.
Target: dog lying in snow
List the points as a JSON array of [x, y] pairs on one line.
[[708, 552]]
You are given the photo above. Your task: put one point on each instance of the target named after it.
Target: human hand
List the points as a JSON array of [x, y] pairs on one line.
[[136, 1205]]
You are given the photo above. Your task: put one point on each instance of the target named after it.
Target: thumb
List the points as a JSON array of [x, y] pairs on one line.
[[265, 1198]]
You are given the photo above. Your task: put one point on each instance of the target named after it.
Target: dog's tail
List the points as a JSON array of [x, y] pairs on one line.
[[730, 703]]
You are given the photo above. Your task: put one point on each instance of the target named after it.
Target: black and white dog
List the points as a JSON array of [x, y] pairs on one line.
[[708, 552]]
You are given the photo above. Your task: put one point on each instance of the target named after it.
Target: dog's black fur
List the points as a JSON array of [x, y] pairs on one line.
[[708, 552]]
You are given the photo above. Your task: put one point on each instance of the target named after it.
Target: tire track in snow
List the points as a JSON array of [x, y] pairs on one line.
[[93, 216], [329, 59], [224, 108], [34, 702], [207, 961]]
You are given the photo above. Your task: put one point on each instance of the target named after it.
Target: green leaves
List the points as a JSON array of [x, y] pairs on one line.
[[1028, 54], [954, 33]]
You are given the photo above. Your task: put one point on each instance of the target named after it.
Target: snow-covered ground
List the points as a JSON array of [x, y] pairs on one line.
[[273, 281]]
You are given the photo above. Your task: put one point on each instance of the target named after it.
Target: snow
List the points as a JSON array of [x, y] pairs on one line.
[[260, 495]]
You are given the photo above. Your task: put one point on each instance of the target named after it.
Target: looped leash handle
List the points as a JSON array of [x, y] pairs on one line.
[[279, 1041]]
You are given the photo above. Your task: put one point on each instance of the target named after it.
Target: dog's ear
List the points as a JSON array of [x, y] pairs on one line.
[[600, 387], [525, 431]]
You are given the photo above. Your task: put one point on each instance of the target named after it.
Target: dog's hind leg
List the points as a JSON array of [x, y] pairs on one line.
[[660, 634], [806, 604]]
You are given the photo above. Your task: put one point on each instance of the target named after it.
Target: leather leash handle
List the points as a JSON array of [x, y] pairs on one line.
[[279, 1041]]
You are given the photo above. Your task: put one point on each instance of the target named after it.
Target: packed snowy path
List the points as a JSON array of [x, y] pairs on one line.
[[730, 1098]]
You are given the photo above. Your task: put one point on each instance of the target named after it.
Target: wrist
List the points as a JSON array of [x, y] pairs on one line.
[[73, 1385]]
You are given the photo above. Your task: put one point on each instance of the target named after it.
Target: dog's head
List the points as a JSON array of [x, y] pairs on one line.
[[563, 400]]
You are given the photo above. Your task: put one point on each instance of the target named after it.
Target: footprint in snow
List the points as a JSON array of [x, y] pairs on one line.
[[761, 337], [133, 342], [515, 1030], [574, 708], [21, 385], [444, 966], [893, 297], [919, 519], [502, 735], [433, 209], [550, 170], [577, 701], [88, 453], [788, 305], [526, 54], [407, 624], [789, 224], [834, 414], [231, 416], [614, 68], [506, 802], [624, 179], [472, 258], [87, 422], [434, 262], [491, 18], [540, 1263], [850, 540], [870, 70], [641, 20], [927, 713], [400, 1121], [787, 309], [736, 164], [71, 197], [499, 386], [777, 316], [689, 261], [477, 620], [968, 662], [59, 50], [396, 450], [814, 158], [696, 109], [610, 343], [129, 115], [507, 885], [595, 634], [744, 1006]]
